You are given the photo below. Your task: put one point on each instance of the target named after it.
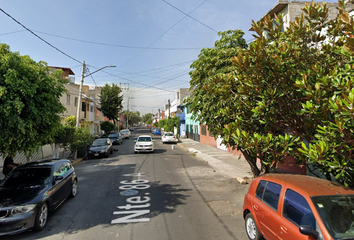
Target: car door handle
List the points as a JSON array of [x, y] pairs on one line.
[[283, 229], [255, 207]]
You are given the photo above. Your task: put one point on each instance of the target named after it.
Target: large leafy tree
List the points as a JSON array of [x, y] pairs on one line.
[[284, 95], [111, 102], [147, 118], [29, 102], [132, 117]]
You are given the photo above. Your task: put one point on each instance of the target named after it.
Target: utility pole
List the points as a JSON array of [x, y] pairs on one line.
[[80, 97], [79, 103], [169, 108], [128, 113]]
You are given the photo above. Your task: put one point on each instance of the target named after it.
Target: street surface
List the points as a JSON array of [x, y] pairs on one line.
[[165, 195]]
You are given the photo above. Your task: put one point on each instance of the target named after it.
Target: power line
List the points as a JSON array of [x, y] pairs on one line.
[[38, 36], [160, 36], [190, 16], [118, 45]]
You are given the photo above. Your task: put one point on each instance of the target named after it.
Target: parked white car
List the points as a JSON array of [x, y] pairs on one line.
[[144, 143], [168, 137], [125, 133]]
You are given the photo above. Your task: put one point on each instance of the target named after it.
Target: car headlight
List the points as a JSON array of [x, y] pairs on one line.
[[104, 150], [22, 209]]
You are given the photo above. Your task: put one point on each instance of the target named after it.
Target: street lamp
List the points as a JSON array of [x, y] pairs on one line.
[[80, 91], [80, 96]]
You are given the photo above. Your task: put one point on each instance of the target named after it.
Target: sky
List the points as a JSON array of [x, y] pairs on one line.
[[152, 43]]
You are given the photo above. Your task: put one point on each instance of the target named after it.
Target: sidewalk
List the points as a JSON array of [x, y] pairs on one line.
[[226, 163]]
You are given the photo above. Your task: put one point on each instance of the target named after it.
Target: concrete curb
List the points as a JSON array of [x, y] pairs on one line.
[[74, 162]]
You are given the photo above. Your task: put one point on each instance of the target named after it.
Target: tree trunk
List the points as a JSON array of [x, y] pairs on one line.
[[252, 162]]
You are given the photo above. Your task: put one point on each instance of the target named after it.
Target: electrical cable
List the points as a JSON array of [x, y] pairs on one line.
[[160, 37], [39, 36], [190, 16]]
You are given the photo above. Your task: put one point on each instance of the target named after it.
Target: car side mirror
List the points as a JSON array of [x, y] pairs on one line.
[[58, 178], [134, 140], [308, 231]]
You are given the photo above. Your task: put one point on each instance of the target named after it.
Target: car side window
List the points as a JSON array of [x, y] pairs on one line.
[[62, 169], [269, 193], [297, 210]]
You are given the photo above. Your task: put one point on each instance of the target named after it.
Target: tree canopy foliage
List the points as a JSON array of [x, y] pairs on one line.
[[29, 102], [147, 118], [111, 102], [288, 93]]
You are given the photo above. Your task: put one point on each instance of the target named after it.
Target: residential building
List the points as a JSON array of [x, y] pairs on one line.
[[293, 9]]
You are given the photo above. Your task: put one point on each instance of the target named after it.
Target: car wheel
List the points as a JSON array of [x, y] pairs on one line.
[[41, 218], [73, 189], [135, 152], [251, 228]]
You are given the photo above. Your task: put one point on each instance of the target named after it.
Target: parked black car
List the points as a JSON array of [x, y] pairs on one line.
[[101, 147], [29, 192], [116, 138]]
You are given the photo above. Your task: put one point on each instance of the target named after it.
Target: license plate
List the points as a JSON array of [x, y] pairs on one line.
[[96, 154]]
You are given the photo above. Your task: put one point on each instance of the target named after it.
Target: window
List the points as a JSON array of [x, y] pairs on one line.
[[91, 108], [76, 100], [297, 210], [203, 129], [67, 99], [269, 193]]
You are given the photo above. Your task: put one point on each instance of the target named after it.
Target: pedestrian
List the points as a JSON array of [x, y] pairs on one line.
[[9, 165]]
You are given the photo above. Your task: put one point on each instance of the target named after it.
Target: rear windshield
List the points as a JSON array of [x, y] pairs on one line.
[[169, 134]]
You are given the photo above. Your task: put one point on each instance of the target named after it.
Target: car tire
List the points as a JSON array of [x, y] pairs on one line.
[[251, 228], [73, 189], [135, 152], [41, 218]]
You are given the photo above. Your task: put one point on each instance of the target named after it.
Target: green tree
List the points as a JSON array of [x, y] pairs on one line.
[[133, 117], [147, 117], [107, 126], [111, 102], [162, 123], [29, 102], [284, 95]]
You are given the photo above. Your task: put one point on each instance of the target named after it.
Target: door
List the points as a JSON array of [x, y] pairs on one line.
[[265, 206], [296, 211]]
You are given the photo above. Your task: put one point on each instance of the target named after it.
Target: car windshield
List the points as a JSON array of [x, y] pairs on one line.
[[27, 177], [337, 213], [99, 142], [144, 139]]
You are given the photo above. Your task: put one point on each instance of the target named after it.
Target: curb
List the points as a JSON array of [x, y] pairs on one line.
[[77, 161]]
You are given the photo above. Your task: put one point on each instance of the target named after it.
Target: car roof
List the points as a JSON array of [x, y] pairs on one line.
[[144, 136], [312, 186], [43, 163]]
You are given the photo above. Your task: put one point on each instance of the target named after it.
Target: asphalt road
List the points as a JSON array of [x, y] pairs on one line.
[[165, 195]]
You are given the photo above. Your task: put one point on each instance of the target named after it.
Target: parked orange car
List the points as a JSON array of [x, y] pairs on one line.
[[286, 206]]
